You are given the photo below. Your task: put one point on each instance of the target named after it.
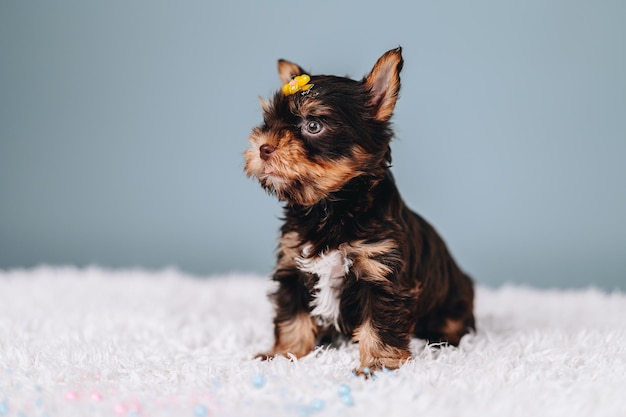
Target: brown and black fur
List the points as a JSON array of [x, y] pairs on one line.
[[340, 196]]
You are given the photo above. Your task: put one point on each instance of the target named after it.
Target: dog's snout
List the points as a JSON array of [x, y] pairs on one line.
[[266, 150]]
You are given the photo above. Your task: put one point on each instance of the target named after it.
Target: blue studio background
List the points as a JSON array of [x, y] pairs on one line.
[[122, 127]]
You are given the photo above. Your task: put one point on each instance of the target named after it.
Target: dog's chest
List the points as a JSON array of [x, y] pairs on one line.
[[330, 268]]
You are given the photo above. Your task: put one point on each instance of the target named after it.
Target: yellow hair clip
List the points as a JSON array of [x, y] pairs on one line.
[[299, 83]]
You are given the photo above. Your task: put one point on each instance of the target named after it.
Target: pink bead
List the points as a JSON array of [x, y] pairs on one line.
[[71, 395]]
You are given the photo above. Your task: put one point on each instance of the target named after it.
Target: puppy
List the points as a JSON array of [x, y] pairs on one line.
[[353, 259]]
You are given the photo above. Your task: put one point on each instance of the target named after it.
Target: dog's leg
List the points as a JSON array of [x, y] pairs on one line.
[[385, 310], [384, 333], [374, 354], [453, 319], [295, 336], [295, 331]]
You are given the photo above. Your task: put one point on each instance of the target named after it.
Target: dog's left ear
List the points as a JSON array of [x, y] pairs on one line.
[[287, 70], [383, 83]]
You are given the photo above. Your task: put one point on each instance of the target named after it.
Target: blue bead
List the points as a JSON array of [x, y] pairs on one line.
[[343, 389], [258, 381], [200, 411], [347, 400], [317, 404], [4, 408], [366, 370]]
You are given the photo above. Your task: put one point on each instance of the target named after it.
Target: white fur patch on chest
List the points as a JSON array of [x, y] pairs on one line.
[[330, 269]]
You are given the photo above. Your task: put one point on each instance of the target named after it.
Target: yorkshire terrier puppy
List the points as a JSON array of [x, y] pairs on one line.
[[353, 259]]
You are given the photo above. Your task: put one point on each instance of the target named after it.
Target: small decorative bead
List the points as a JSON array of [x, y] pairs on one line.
[[347, 400], [71, 395], [258, 381], [317, 404], [344, 395], [304, 411], [343, 389], [119, 409], [200, 411], [4, 408]]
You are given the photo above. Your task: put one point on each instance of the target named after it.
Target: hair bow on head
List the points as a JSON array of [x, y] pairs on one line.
[[299, 83]]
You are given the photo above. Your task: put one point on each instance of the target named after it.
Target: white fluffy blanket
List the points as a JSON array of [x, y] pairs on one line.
[[132, 343]]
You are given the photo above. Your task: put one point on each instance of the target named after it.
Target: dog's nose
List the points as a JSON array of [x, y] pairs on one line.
[[266, 150]]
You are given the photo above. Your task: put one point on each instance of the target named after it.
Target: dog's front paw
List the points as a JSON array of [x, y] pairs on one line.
[[371, 371], [264, 356], [371, 365]]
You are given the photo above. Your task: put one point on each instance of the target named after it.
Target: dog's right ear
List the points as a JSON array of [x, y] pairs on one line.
[[287, 70]]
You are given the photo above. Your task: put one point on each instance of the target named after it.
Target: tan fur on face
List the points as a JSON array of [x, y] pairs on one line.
[[254, 163], [289, 164], [375, 354], [296, 336], [321, 179]]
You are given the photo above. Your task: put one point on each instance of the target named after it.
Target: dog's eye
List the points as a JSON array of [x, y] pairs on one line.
[[313, 127]]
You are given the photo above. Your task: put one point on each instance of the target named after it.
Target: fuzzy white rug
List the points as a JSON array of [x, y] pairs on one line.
[[130, 343]]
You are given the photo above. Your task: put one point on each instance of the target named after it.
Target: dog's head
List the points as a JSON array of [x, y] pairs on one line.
[[322, 131]]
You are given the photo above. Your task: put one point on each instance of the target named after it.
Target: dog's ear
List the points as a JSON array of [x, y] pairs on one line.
[[287, 70], [383, 84]]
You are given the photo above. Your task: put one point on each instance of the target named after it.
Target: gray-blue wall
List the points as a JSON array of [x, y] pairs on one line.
[[122, 125]]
